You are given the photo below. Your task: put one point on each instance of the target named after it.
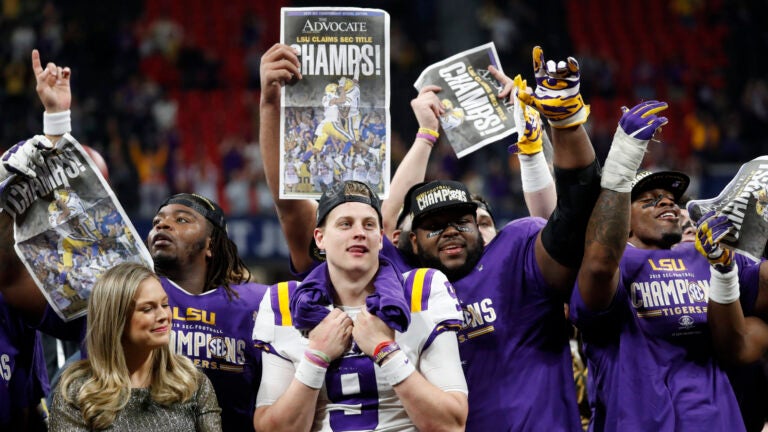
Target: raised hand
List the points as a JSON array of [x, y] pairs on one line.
[[711, 230], [557, 95], [427, 107], [23, 156], [527, 122], [279, 66], [641, 122], [52, 85]]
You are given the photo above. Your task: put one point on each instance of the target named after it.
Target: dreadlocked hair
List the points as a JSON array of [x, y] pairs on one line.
[[225, 268]]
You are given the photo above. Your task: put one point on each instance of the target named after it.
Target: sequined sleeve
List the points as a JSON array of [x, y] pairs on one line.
[[208, 411]]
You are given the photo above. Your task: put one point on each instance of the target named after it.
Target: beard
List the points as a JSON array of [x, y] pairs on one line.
[[474, 252], [170, 263], [669, 239]]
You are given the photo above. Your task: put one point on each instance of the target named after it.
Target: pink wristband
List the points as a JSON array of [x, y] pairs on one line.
[[427, 137]]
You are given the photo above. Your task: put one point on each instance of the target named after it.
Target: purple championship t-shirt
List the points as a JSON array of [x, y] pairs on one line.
[[514, 342], [23, 376], [215, 333], [650, 355]]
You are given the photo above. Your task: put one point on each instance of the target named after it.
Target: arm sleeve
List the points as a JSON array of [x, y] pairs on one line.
[[64, 416], [441, 365], [276, 375], [209, 413], [53, 325]]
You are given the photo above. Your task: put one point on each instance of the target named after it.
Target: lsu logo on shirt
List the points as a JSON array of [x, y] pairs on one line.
[[192, 314], [667, 264]]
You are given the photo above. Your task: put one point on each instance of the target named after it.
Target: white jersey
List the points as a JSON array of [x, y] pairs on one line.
[[360, 171], [374, 175], [68, 217], [291, 174], [325, 170], [452, 119], [330, 113], [355, 396], [353, 100], [346, 174], [72, 204]]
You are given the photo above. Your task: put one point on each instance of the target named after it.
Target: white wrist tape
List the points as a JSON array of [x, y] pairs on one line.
[[623, 160], [534, 172], [57, 123], [724, 287], [397, 368], [310, 374]]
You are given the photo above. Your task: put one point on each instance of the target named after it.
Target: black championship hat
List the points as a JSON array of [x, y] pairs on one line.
[[437, 196], [206, 207], [335, 196], [673, 181]]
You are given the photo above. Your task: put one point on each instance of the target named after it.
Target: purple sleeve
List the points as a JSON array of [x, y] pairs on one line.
[[584, 318], [53, 325], [301, 275], [23, 375]]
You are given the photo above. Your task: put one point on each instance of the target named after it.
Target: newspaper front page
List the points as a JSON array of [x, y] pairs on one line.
[[69, 227], [745, 202], [335, 122], [474, 115]]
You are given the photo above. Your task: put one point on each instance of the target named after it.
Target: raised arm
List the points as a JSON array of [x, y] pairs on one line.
[[608, 228], [54, 92], [559, 247], [413, 168], [538, 185], [16, 285], [280, 66], [736, 339]]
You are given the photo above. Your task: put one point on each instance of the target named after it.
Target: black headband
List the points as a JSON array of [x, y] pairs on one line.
[[200, 204]]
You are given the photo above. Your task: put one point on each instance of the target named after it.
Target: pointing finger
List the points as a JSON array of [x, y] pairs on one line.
[[37, 67]]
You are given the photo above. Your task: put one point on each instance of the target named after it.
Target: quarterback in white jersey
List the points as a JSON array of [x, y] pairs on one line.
[[355, 392], [356, 346]]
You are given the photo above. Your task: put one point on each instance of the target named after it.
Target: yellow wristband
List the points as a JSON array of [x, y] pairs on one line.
[[434, 133]]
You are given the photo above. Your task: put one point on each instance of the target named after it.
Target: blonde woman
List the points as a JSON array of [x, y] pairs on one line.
[[131, 380]]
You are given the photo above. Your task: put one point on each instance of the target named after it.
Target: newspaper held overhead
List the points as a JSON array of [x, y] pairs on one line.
[[474, 116], [745, 202], [69, 227], [334, 122]]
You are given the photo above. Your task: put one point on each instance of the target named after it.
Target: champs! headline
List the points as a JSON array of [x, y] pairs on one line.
[[339, 59], [54, 174], [476, 97]]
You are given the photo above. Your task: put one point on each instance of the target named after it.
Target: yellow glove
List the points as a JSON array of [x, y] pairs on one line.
[[527, 123]]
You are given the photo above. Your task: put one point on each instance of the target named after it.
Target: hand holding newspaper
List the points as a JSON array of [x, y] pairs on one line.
[[68, 226], [745, 202], [474, 115], [335, 122]]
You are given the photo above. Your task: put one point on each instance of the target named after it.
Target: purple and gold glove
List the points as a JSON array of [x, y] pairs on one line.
[[527, 123], [557, 95], [641, 122], [711, 230], [23, 156]]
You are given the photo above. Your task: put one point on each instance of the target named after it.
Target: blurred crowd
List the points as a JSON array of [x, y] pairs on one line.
[[168, 92]]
